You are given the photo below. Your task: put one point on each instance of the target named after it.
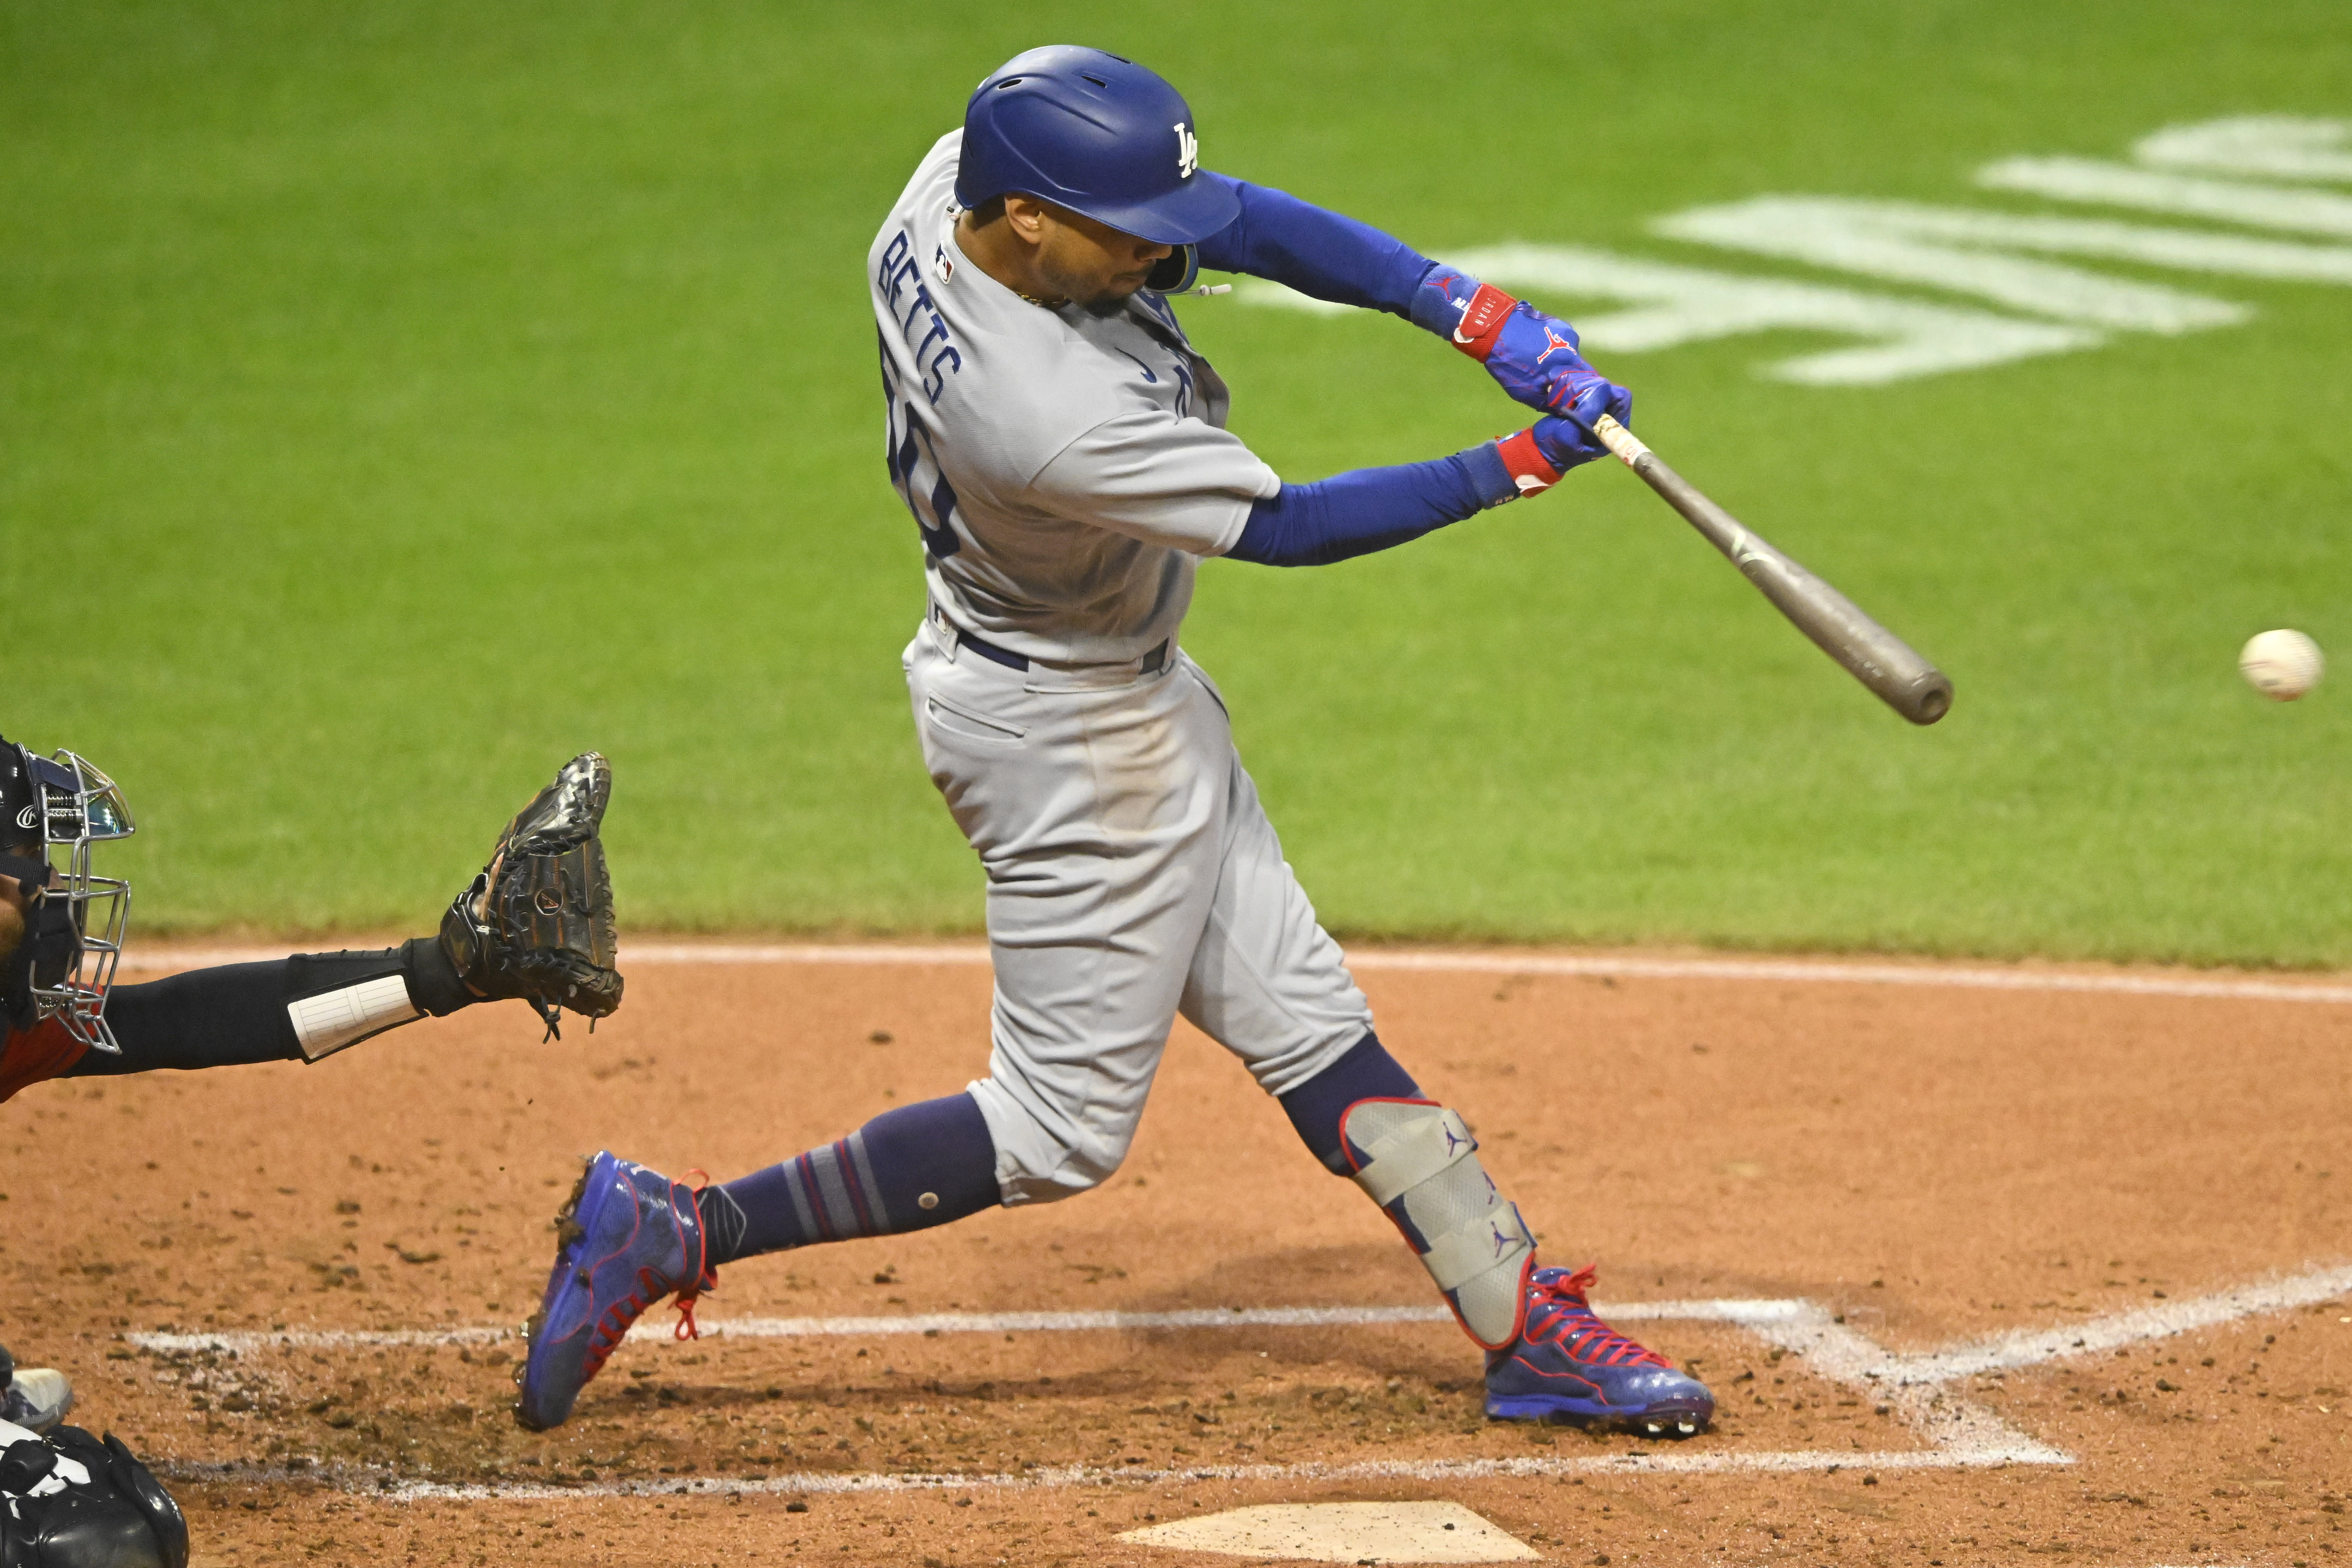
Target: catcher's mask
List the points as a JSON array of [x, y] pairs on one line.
[[57, 808]]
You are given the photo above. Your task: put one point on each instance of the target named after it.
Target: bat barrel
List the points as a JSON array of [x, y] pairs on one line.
[[1873, 655]]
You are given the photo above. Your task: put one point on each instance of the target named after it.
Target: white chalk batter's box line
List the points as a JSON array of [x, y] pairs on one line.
[[1913, 1385], [1375, 961]]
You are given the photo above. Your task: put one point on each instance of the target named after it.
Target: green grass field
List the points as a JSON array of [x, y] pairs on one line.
[[395, 399]]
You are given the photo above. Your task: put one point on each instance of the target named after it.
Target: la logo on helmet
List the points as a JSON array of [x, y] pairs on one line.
[[1188, 151]]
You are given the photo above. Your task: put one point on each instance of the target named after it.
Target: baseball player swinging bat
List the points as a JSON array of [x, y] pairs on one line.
[[1876, 657], [1061, 448]]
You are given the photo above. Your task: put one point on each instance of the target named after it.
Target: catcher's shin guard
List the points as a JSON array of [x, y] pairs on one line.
[[1418, 1161], [537, 922]]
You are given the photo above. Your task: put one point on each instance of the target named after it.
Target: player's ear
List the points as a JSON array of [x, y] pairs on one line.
[[1026, 215]]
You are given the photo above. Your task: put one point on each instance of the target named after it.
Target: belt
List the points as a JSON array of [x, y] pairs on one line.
[[991, 652], [1149, 664]]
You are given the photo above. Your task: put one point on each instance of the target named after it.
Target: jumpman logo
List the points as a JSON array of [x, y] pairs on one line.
[[1444, 284], [1558, 344]]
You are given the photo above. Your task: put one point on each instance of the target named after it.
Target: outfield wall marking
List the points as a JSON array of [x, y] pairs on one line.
[[1373, 960]]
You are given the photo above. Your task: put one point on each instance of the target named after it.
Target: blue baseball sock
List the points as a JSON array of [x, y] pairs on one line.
[[907, 1169], [1366, 1072]]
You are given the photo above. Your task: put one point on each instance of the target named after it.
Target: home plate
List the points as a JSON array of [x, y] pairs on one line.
[[1343, 1533]]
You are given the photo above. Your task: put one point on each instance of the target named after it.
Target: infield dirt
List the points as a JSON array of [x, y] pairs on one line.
[[1929, 1164]]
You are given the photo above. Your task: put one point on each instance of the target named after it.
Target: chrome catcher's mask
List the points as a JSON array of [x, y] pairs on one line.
[[57, 808]]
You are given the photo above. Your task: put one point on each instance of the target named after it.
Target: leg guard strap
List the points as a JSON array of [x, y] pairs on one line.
[[1417, 1160]]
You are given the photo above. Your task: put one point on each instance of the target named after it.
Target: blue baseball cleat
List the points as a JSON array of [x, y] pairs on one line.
[[1567, 1366], [626, 1239]]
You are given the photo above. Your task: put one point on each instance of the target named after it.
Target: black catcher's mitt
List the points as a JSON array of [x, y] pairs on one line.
[[538, 921]]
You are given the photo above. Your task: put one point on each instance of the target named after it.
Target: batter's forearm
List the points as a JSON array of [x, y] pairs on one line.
[[1366, 510], [1320, 253]]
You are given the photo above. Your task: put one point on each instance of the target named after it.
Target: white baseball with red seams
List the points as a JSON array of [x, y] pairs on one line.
[[2281, 665]]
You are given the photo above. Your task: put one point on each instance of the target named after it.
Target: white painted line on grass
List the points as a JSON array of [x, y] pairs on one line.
[[1374, 961]]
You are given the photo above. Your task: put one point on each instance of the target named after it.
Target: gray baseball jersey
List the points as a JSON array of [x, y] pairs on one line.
[[1065, 469]]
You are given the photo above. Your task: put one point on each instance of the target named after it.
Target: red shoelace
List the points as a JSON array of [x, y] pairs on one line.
[[1557, 1311]]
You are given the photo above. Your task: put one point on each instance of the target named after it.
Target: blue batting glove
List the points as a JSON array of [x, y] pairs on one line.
[[1533, 355], [1566, 446], [1567, 442], [1539, 456]]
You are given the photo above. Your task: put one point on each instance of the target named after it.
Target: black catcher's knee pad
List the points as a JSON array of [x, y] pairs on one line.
[[73, 1501]]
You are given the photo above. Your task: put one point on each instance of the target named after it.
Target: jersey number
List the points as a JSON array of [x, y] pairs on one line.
[[915, 468]]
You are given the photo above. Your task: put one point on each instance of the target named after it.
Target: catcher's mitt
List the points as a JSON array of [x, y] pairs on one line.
[[538, 921]]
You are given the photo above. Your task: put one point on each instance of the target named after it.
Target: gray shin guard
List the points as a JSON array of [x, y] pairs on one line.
[[1420, 1163]]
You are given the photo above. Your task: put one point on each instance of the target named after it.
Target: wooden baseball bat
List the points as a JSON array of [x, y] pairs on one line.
[[1874, 655]]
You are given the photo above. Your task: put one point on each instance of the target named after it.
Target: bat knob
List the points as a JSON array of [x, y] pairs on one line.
[[1931, 697]]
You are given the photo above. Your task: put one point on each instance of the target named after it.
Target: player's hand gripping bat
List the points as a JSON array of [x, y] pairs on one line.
[[1876, 657]]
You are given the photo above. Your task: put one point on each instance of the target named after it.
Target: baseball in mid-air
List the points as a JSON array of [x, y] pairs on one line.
[[2281, 665]]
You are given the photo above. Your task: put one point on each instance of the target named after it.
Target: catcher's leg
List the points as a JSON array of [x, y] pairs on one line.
[[306, 1006]]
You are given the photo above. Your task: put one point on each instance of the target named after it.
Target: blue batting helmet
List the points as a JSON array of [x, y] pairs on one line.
[[1095, 133]]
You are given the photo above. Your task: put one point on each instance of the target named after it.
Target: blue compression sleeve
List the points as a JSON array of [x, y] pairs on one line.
[[1318, 253], [1366, 510]]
